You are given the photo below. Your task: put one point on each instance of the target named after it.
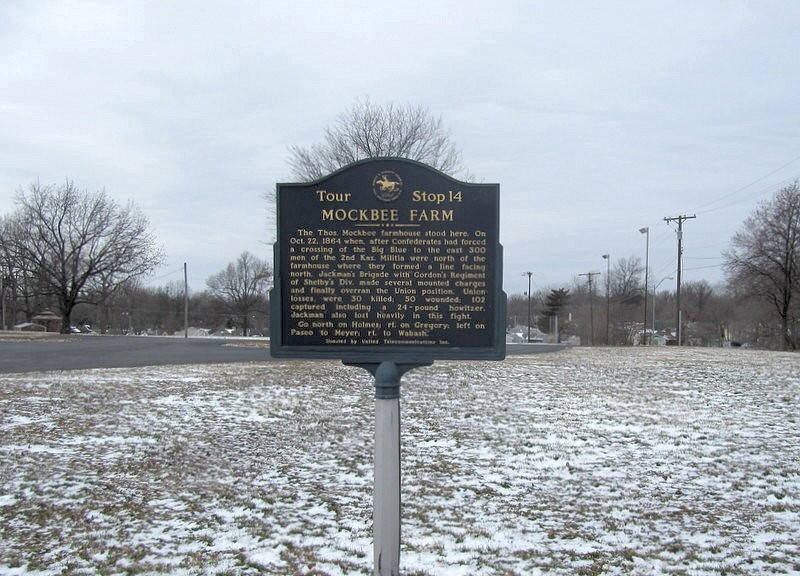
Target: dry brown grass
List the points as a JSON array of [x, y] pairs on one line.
[[580, 462]]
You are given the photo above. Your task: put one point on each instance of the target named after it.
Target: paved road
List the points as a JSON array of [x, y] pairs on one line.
[[82, 352]]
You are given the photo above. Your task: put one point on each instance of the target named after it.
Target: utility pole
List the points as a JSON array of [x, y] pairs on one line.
[[607, 258], [589, 277], [646, 230], [185, 302], [529, 305], [679, 220]]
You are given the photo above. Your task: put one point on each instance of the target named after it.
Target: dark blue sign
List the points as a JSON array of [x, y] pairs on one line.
[[390, 259]]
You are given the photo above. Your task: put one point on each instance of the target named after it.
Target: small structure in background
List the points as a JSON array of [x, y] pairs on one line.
[[29, 327], [49, 319], [519, 334]]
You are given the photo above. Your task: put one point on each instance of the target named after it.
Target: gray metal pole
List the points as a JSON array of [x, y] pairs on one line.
[[654, 312], [386, 511], [646, 268], [529, 305], [185, 302], [678, 289], [555, 330], [607, 258], [386, 498]]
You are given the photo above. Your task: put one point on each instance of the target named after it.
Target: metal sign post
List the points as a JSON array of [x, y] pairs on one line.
[[386, 496]]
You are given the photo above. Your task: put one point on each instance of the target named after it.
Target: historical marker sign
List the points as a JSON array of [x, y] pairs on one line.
[[388, 258]]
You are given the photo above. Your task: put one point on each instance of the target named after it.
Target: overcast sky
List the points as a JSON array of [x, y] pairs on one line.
[[596, 118]]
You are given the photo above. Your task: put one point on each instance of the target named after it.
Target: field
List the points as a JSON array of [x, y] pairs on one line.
[[585, 461]]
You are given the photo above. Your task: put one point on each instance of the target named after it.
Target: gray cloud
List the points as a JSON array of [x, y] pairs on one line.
[[596, 119]]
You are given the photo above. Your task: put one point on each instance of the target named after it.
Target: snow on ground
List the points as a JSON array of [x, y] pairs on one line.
[[585, 461]]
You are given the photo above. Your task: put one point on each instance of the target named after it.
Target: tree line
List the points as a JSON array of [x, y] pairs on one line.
[[758, 305], [712, 316], [84, 257]]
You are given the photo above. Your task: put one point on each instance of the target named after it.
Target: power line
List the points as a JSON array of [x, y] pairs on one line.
[[752, 196], [706, 208], [693, 268], [167, 274]]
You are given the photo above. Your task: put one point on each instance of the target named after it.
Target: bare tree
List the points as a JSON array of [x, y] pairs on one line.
[[626, 281], [699, 295], [626, 300], [764, 259], [8, 268], [242, 286], [369, 130], [708, 314], [68, 239]]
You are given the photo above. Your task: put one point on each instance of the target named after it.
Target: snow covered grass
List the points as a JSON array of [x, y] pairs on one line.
[[586, 461]]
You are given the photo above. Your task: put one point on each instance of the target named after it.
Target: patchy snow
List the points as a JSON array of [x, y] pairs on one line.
[[613, 461]]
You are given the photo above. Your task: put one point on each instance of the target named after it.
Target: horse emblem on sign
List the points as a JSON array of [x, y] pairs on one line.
[[387, 186]]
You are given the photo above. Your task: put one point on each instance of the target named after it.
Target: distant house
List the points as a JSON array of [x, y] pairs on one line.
[[49, 319]]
